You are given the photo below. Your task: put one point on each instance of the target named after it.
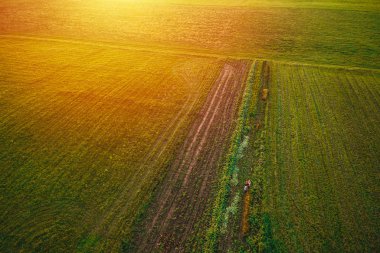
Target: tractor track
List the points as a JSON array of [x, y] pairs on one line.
[[109, 224], [183, 195]]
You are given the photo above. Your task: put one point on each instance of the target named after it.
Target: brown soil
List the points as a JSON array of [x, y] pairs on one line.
[[181, 199], [244, 222]]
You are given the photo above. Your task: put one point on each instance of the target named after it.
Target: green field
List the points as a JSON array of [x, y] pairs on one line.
[[313, 156], [78, 137], [323, 154], [321, 184], [301, 31], [131, 126]]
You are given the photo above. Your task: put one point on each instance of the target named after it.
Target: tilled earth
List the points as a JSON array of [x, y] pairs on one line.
[[183, 194]]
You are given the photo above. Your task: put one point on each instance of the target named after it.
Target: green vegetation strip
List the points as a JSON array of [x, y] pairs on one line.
[[248, 230], [223, 195], [257, 239]]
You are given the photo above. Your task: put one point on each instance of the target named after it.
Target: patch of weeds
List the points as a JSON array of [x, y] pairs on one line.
[[88, 244]]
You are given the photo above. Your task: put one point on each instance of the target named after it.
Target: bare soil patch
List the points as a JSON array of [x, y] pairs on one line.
[[183, 194]]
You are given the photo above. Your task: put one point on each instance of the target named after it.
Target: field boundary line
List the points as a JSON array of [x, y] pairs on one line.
[[187, 52], [142, 48]]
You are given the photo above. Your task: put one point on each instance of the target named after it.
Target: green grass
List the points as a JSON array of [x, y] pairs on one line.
[[245, 161], [313, 163], [321, 183]]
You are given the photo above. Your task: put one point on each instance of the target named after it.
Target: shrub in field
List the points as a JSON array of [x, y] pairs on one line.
[[264, 94], [235, 180], [230, 210], [242, 146]]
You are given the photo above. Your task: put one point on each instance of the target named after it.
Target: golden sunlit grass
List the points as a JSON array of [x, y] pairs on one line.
[[97, 97], [290, 33], [264, 94], [79, 125]]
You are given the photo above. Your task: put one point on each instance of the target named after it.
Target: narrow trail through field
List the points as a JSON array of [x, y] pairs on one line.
[[109, 225], [187, 186], [153, 154]]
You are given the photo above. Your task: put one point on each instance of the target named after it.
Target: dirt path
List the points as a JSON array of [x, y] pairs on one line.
[[108, 225], [183, 194]]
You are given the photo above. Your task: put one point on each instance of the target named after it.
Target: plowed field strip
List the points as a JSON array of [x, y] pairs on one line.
[[212, 160], [157, 149], [109, 226], [90, 121], [191, 146], [177, 205]]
